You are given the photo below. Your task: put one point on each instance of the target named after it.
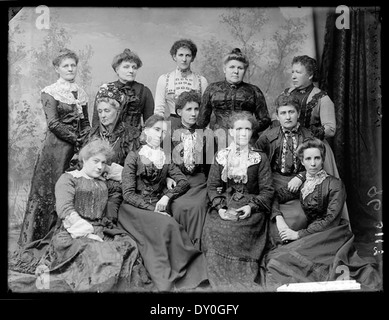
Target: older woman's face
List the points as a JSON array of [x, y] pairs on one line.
[[67, 69], [312, 160], [156, 133], [300, 77], [95, 165], [242, 132], [127, 71], [107, 113], [234, 71], [183, 58]]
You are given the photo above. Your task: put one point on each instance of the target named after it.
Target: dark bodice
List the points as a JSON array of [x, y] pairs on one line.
[[223, 98]]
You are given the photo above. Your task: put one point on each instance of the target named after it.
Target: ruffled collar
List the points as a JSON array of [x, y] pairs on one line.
[[235, 162], [312, 181], [79, 174], [152, 155]]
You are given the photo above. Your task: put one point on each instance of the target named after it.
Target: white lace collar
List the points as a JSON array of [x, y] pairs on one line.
[[312, 181], [156, 156]]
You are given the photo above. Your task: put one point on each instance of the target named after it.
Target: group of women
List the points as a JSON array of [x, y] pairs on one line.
[[155, 195]]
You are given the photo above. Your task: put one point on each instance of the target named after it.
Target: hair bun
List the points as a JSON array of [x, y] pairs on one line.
[[127, 51], [236, 51]]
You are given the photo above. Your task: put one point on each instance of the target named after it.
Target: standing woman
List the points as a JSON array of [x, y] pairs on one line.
[[233, 94], [138, 102], [65, 107], [167, 251], [172, 84]]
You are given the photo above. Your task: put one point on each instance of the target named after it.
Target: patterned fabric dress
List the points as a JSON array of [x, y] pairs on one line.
[[167, 251], [325, 246], [65, 107], [234, 249]]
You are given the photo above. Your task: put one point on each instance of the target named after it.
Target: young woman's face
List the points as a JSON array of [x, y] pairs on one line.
[[183, 58], [242, 132], [107, 113], [67, 69], [95, 165], [300, 77], [127, 71], [156, 133], [312, 160], [189, 113], [234, 71], [287, 116]]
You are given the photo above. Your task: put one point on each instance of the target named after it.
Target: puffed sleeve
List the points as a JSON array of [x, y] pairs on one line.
[[160, 102], [54, 124], [148, 104], [205, 110], [182, 185], [263, 201], [261, 111], [327, 116], [64, 195], [204, 84], [129, 183], [336, 198]]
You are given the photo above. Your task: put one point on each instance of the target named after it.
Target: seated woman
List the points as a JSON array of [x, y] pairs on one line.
[[235, 229], [168, 253], [322, 250], [81, 255], [189, 153]]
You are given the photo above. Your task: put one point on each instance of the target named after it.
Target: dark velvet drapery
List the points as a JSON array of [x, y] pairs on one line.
[[351, 74]]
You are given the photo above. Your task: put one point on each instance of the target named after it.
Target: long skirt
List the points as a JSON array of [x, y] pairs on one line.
[[167, 251], [323, 256], [233, 250], [191, 208]]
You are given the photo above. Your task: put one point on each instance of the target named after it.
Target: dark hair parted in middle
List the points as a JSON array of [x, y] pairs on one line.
[[184, 43], [311, 143], [187, 96], [309, 64], [285, 99], [236, 54], [126, 56]]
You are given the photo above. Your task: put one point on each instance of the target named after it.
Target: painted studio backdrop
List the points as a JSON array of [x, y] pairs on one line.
[[270, 37]]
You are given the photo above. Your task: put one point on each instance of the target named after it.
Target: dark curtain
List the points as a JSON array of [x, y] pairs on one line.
[[351, 74]]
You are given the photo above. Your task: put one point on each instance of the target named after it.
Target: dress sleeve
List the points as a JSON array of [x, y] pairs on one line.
[[217, 200], [64, 195], [327, 116], [129, 183], [262, 113], [95, 115], [205, 109], [336, 199], [182, 185], [204, 84], [148, 109], [160, 99], [263, 201], [53, 122], [85, 125]]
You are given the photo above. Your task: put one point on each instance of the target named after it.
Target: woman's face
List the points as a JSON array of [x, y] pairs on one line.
[[127, 71], [107, 113], [234, 71], [312, 160], [156, 133], [287, 116], [67, 69], [300, 76], [95, 165], [183, 58], [242, 132], [189, 113]]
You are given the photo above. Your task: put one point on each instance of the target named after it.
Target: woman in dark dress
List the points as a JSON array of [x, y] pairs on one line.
[[324, 248], [167, 251], [138, 102], [232, 94], [190, 154], [66, 108], [240, 190]]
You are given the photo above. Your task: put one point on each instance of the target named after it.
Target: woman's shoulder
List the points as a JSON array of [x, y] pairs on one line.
[[334, 182]]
